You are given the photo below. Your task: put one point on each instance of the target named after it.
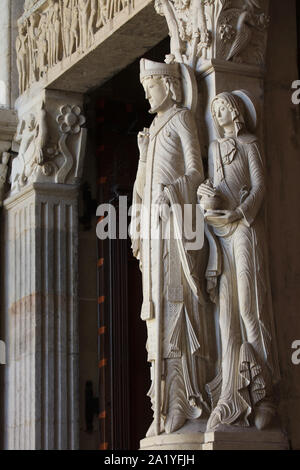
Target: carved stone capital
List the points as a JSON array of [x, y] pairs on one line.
[[50, 140], [230, 30]]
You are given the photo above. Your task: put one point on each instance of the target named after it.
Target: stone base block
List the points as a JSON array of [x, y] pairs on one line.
[[192, 436], [173, 442], [245, 440], [189, 437]]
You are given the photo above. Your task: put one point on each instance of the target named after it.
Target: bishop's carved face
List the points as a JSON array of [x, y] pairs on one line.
[[156, 93], [222, 113]]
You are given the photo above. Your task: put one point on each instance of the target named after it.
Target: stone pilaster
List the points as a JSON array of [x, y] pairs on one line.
[[41, 318]]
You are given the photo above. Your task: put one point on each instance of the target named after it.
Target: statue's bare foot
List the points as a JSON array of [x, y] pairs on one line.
[[174, 422], [264, 414]]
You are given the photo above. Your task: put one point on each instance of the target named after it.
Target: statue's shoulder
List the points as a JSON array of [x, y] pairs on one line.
[[184, 116]]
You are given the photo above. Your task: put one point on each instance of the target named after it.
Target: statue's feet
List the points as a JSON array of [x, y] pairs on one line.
[[264, 414], [174, 422], [152, 430]]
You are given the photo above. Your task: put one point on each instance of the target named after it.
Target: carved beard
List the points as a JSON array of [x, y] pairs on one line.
[[159, 106]]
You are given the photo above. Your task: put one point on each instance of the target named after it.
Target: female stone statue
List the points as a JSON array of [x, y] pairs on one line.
[[169, 172], [233, 197]]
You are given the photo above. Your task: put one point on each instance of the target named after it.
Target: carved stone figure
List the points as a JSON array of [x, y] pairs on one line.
[[32, 31], [32, 136], [42, 47], [169, 172], [102, 15], [3, 174], [83, 6], [92, 21], [237, 271], [22, 56], [67, 23], [50, 33], [56, 31], [74, 27]]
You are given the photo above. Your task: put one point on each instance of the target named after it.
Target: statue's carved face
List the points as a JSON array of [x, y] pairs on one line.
[[222, 113], [156, 92]]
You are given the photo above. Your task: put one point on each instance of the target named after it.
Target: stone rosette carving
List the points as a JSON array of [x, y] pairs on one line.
[[201, 30], [70, 119]]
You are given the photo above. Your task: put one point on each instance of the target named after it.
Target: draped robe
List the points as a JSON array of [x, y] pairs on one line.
[[174, 161], [249, 363]]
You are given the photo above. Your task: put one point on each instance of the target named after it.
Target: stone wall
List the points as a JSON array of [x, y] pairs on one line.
[[282, 139]]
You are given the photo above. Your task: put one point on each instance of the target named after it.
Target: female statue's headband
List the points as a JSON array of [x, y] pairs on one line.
[[149, 68]]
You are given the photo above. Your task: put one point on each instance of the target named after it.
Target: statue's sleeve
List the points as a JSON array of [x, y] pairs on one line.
[[188, 135], [252, 204], [140, 178]]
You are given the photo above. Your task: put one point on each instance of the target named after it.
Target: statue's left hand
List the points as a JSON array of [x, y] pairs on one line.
[[163, 204], [224, 216]]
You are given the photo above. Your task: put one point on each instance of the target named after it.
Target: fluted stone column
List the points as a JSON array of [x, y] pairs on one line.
[[41, 305]]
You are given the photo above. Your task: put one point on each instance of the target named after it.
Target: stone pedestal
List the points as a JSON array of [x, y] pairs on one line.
[[189, 437], [193, 437], [245, 440], [41, 399]]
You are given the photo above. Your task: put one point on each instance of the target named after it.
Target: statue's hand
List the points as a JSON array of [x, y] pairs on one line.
[[220, 218], [207, 190], [163, 204], [143, 142]]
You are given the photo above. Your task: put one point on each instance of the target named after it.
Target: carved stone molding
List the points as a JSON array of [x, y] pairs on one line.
[[50, 140], [200, 30]]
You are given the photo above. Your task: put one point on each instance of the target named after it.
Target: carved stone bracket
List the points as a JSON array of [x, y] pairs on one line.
[[50, 140], [201, 30]]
